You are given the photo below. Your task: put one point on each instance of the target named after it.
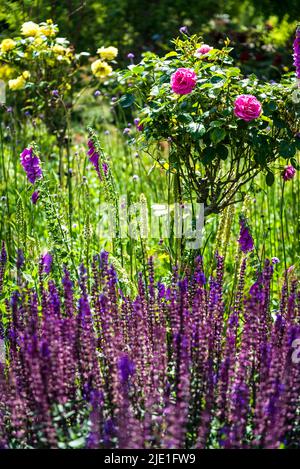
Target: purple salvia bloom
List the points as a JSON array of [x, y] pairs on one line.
[[245, 240], [31, 164], [168, 368], [68, 293], [96, 419], [126, 368], [46, 261], [3, 260], [20, 259]]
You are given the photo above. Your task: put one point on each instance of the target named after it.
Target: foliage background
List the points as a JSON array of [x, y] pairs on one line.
[[135, 24]]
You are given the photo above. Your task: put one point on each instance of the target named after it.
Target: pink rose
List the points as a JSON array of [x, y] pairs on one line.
[[204, 49], [183, 81], [288, 173], [247, 107]]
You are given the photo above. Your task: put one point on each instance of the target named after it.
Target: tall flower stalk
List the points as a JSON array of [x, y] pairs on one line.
[[99, 160]]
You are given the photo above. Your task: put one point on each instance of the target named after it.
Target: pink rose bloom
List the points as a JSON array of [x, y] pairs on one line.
[[247, 107], [183, 81], [288, 173], [204, 49]]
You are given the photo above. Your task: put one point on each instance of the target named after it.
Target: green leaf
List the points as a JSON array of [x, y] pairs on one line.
[[279, 123], [137, 69], [269, 108], [217, 81], [79, 443], [126, 100], [287, 149], [208, 155], [295, 163], [216, 124], [197, 130], [217, 134], [261, 154], [270, 178], [222, 151], [171, 54], [233, 71], [184, 118]]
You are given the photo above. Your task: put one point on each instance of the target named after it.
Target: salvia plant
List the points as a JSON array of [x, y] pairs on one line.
[[172, 367], [221, 129]]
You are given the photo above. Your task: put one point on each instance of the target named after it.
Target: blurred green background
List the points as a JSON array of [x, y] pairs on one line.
[[137, 24]]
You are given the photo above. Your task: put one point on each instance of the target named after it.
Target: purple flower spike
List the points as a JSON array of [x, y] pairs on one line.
[[3, 261], [93, 155], [94, 158], [47, 262], [34, 197], [20, 259], [31, 164], [126, 368], [297, 52], [245, 240]]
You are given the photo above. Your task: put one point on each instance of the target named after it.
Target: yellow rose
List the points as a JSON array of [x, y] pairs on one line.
[[108, 53], [7, 45], [17, 84], [59, 50], [38, 41], [101, 69], [30, 29], [26, 74], [6, 72], [48, 29]]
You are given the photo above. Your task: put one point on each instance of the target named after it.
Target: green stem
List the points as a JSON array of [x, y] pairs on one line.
[[282, 226]]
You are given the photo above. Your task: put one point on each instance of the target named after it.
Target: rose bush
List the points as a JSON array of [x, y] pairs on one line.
[[221, 128]]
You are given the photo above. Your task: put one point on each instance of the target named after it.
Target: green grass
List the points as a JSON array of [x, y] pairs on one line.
[[80, 199]]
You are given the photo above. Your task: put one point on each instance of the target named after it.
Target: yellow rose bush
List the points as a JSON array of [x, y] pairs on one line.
[[42, 72]]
